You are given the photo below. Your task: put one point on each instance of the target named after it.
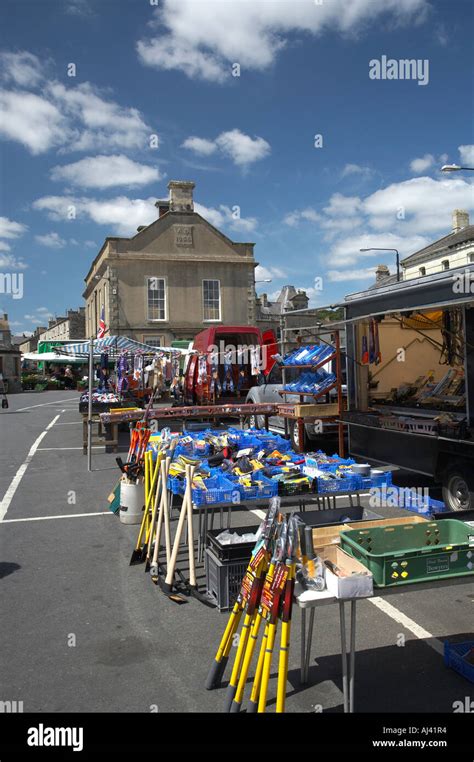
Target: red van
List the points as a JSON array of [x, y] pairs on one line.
[[225, 363]]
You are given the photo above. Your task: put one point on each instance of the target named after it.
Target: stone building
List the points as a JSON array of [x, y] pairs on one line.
[[171, 279], [71, 326], [453, 250], [268, 313], [10, 358], [30, 343]]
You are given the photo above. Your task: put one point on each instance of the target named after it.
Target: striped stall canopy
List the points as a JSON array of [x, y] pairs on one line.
[[114, 346]]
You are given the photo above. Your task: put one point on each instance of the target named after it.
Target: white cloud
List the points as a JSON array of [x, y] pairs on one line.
[[346, 250], [418, 166], [201, 146], [340, 205], [241, 148], [80, 8], [22, 68], [223, 217], [33, 121], [263, 273], [11, 229], [43, 309], [121, 214], [90, 244], [419, 205], [106, 172], [12, 262], [467, 155], [204, 39], [51, 240], [73, 118], [292, 219], [355, 169]]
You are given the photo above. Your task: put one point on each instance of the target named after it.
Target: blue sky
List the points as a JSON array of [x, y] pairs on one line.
[[85, 142]]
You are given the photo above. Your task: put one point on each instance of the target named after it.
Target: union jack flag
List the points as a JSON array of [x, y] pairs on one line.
[[102, 326]]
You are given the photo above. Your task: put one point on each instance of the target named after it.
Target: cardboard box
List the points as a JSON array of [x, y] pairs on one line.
[[356, 585], [331, 535]]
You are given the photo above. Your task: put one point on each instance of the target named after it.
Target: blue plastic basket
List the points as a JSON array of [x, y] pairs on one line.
[[266, 487], [455, 657], [219, 489], [347, 484]]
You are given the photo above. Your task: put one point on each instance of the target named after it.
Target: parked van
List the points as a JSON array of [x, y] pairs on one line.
[[225, 362]]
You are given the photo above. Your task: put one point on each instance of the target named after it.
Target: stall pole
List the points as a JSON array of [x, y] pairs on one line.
[[89, 411], [340, 426], [283, 371]]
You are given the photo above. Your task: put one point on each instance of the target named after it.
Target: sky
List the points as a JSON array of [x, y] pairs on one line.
[[295, 118]]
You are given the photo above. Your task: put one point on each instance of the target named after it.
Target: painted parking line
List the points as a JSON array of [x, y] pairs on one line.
[[409, 624], [44, 404], [9, 494], [64, 516]]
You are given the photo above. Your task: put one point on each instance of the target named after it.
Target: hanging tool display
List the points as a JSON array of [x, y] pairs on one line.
[[266, 598], [250, 591]]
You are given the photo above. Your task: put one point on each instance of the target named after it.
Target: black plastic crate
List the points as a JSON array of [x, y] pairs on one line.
[[328, 516], [224, 579], [240, 551]]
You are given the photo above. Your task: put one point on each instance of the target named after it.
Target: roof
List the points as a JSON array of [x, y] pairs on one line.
[[163, 221], [437, 247], [435, 290], [114, 346], [282, 304]]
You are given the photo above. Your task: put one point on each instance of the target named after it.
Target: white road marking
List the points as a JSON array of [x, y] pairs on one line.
[[65, 516], [9, 494], [408, 623], [43, 404]]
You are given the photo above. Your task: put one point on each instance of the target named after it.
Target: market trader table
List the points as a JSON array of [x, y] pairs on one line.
[[310, 599]]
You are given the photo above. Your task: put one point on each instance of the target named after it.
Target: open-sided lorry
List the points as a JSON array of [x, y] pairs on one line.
[[225, 362], [413, 406]]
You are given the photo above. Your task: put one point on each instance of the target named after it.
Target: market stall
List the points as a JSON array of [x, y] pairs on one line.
[[410, 372], [139, 372]]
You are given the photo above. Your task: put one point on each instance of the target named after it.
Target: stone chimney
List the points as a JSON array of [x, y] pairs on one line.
[[381, 272], [263, 300], [181, 196], [163, 206], [460, 220]]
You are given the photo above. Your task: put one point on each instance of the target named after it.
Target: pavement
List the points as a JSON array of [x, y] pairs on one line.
[[85, 632]]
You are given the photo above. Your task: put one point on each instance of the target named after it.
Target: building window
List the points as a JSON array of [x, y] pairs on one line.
[[445, 264], [156, 289], [153, 341], [471, 258], [211, 294], [422, 271]]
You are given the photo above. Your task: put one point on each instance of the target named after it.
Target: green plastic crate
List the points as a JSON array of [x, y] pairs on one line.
[[408, 553]]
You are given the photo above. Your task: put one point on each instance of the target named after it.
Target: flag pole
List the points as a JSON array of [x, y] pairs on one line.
[[89, 411]]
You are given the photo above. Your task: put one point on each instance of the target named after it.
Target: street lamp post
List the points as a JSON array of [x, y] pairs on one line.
[[383, 248], [455, 168]]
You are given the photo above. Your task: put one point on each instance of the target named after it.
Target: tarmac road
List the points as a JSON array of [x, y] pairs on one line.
[[82, 631]]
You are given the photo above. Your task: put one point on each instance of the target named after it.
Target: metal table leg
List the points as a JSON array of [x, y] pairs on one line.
[[308, 645], [342, 620], [352, 656], [303, 643]]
